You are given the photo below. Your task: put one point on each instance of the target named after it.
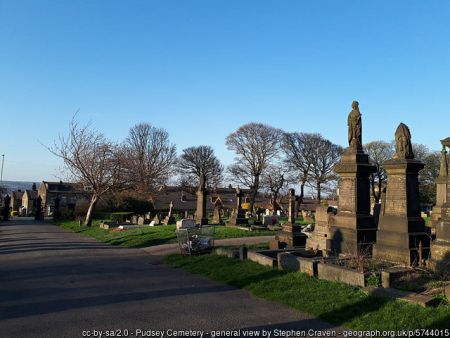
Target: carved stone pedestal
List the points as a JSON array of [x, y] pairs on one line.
[[402, 235], [353, 232]]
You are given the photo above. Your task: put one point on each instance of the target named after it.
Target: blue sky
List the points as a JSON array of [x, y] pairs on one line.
[[200, 69]]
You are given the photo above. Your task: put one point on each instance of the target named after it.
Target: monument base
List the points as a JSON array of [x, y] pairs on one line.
[[440, 256], [290, 237], [202, 221], [352, 242]]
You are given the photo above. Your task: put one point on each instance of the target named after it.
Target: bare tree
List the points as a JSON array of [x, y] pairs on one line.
[[90, 159], [149, 158], [275, 179], [255, 145], [195, 161], [379, 152], [298, 149], [324, 157]]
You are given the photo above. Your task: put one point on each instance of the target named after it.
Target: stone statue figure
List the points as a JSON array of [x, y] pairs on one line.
[[403, 146], [354, 127]]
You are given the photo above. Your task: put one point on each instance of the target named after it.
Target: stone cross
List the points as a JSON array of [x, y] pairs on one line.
[[292, 198]]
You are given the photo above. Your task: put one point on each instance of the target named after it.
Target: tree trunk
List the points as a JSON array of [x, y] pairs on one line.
[[319, 197], [88, 221], [253, 194]]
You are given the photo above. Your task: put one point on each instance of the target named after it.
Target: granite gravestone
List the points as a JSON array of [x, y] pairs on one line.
[[440, 248], [291, 236], [238, 217], [217, 217], [353, 231], [401, 230]]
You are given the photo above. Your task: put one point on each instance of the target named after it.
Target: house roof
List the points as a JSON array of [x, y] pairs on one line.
[[55, 187]]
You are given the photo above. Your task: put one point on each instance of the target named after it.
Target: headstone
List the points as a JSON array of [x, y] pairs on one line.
[[353, 231], [200, 213], [402, 235], [440, 248], [290, 236], [38, 214], [217, 217], [267, 220], [140, 220], [238, 217], [134, 219], [319, 239], [6, 203], [156, 220], [441, 186], [169, 219], [186, 224]]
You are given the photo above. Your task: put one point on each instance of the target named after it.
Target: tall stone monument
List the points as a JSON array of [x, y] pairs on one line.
[[353, 231], [291, 236], [200, 213], [238, 217], [440, 248], [402, 235], [441, 185]]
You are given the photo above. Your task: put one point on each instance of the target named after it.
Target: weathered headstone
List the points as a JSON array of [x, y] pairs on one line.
[[291, 236], [238, 217], [156, 220], [140, 220], [320, 237], [401, 231], [186, 224], [200, 213], [353, 231], [441, 186], [217, 217], [38, 214], [440, 248]]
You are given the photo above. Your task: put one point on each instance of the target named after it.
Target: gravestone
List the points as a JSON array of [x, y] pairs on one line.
[[169, 219], [353, 231], [320, 238], [217, 217], [440, 248], [200, 213], [441, 186], [186, 224], [238, 217], [6, 203], [134, 219], [291, 236], [401, 229], [156, 220], [140, 220], [38, 214]]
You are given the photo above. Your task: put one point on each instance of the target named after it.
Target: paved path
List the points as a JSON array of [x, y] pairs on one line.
[[55, 283], [167, 249]]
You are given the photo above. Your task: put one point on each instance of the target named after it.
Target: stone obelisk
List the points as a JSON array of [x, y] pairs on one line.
[[353, 231]]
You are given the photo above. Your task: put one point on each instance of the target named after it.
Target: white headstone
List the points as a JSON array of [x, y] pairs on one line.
[[185, 224]]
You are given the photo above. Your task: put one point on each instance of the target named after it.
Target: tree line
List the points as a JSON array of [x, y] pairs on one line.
[[267, 159]]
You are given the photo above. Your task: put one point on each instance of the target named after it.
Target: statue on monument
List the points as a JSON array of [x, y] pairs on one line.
[[403, 145], [354, 127]]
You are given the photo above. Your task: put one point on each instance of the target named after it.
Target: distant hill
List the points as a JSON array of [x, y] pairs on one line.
[[18, 185]]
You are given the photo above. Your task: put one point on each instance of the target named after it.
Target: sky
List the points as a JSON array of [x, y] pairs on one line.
[[201, 69]]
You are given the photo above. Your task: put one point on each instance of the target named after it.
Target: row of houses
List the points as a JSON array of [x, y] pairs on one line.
[[51, 194]]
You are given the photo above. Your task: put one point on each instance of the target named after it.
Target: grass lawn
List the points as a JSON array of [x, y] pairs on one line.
[[332, 302], [149, 236]]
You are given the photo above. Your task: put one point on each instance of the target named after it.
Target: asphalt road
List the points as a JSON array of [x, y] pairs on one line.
[[55, 283]]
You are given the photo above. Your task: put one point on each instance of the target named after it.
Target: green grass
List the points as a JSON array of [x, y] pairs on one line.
[[333, 302], [148, 236]]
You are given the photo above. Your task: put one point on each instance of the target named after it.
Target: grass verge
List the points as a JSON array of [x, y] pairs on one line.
[[148, 236], [332, 302]]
